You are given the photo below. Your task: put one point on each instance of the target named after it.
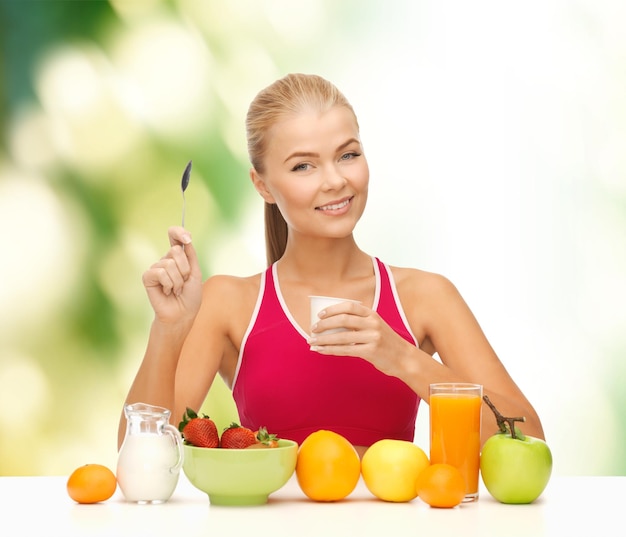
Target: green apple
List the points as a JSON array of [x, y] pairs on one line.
[[514, 468]]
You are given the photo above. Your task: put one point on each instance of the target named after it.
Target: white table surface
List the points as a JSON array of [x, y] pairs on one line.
[[568, 506]]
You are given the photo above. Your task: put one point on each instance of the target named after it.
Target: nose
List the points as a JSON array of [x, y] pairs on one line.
[[333, 179]]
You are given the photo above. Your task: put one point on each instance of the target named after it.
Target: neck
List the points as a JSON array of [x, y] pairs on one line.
[[323, 260]]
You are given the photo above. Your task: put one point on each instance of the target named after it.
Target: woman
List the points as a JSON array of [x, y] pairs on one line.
[[365, 382]]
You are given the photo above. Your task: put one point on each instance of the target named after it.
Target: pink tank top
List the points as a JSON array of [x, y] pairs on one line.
[[281, 384]]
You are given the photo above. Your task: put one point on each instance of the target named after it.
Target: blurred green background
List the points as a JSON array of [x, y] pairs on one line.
[[495, 133]]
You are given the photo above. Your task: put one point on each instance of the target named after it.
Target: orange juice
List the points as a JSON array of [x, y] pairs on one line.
[[455, 431]]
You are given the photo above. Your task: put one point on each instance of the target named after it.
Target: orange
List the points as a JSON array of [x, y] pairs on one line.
[[441, 485], [91, 483], [390, 469], [328, 467]]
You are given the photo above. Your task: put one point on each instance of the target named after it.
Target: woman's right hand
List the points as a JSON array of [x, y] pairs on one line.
[[174, 282]]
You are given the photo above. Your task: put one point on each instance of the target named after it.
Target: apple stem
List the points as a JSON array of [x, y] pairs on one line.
[[502, 421]]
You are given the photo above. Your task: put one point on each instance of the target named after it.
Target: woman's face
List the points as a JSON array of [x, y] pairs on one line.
[[316, 172]]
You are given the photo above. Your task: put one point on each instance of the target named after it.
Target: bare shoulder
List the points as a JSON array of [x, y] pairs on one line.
[[227, 306], [427, 297], [232, 284], [431, 302], [224, 289], [420, 285]]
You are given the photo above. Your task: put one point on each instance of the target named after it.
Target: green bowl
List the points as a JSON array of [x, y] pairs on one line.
[[240, 476]]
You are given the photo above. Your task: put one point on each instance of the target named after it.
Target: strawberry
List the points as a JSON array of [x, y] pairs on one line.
[[199, 431], [237, 437], [265, 438]]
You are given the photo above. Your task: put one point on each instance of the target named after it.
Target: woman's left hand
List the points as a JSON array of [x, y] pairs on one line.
[[365, 334]]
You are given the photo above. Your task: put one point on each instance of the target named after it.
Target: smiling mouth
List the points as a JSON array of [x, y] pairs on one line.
[[334, 206]]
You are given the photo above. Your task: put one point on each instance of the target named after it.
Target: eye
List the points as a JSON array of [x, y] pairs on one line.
[[350, 155], [302, 167]]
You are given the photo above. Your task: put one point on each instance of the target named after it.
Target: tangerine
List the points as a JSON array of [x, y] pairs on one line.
[[91, 483], [328, 466], [441, 485], [390, 469]]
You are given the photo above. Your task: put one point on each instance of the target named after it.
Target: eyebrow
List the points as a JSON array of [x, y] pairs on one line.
[[301, 154]]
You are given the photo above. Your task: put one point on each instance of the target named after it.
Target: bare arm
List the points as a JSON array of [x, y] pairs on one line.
[[467, 355], [208, 348], [442, 321], [173, 285], [191, 338]]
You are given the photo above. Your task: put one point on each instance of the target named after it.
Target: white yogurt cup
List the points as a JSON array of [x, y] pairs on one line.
[[319, 303]]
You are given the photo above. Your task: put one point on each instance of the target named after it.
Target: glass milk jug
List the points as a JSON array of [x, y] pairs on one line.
[[151, 455]]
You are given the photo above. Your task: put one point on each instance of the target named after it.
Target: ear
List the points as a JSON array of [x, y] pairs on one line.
[[259, 185]]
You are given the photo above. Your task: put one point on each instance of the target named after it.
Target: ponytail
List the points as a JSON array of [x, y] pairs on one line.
[[275, 233]]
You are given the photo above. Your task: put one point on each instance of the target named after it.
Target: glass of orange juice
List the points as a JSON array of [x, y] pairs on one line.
[[455, 410]]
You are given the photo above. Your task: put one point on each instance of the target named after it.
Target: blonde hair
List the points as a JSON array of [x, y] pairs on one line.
[[287, 96]]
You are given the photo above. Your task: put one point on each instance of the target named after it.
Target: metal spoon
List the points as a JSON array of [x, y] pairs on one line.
[[183, 185]]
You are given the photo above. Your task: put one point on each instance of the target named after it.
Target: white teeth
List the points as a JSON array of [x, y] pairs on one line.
[[334, 207]]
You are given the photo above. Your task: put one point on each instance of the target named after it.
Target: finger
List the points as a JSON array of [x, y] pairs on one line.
[[172, 268], [330, 338], [347, 308], [338, 320], [192, 260], [178, 255], [165, 274], [178, 236], [158, 277], [347, 349]]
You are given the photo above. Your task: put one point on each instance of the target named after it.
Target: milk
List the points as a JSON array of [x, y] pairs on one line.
[[147, 470]]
